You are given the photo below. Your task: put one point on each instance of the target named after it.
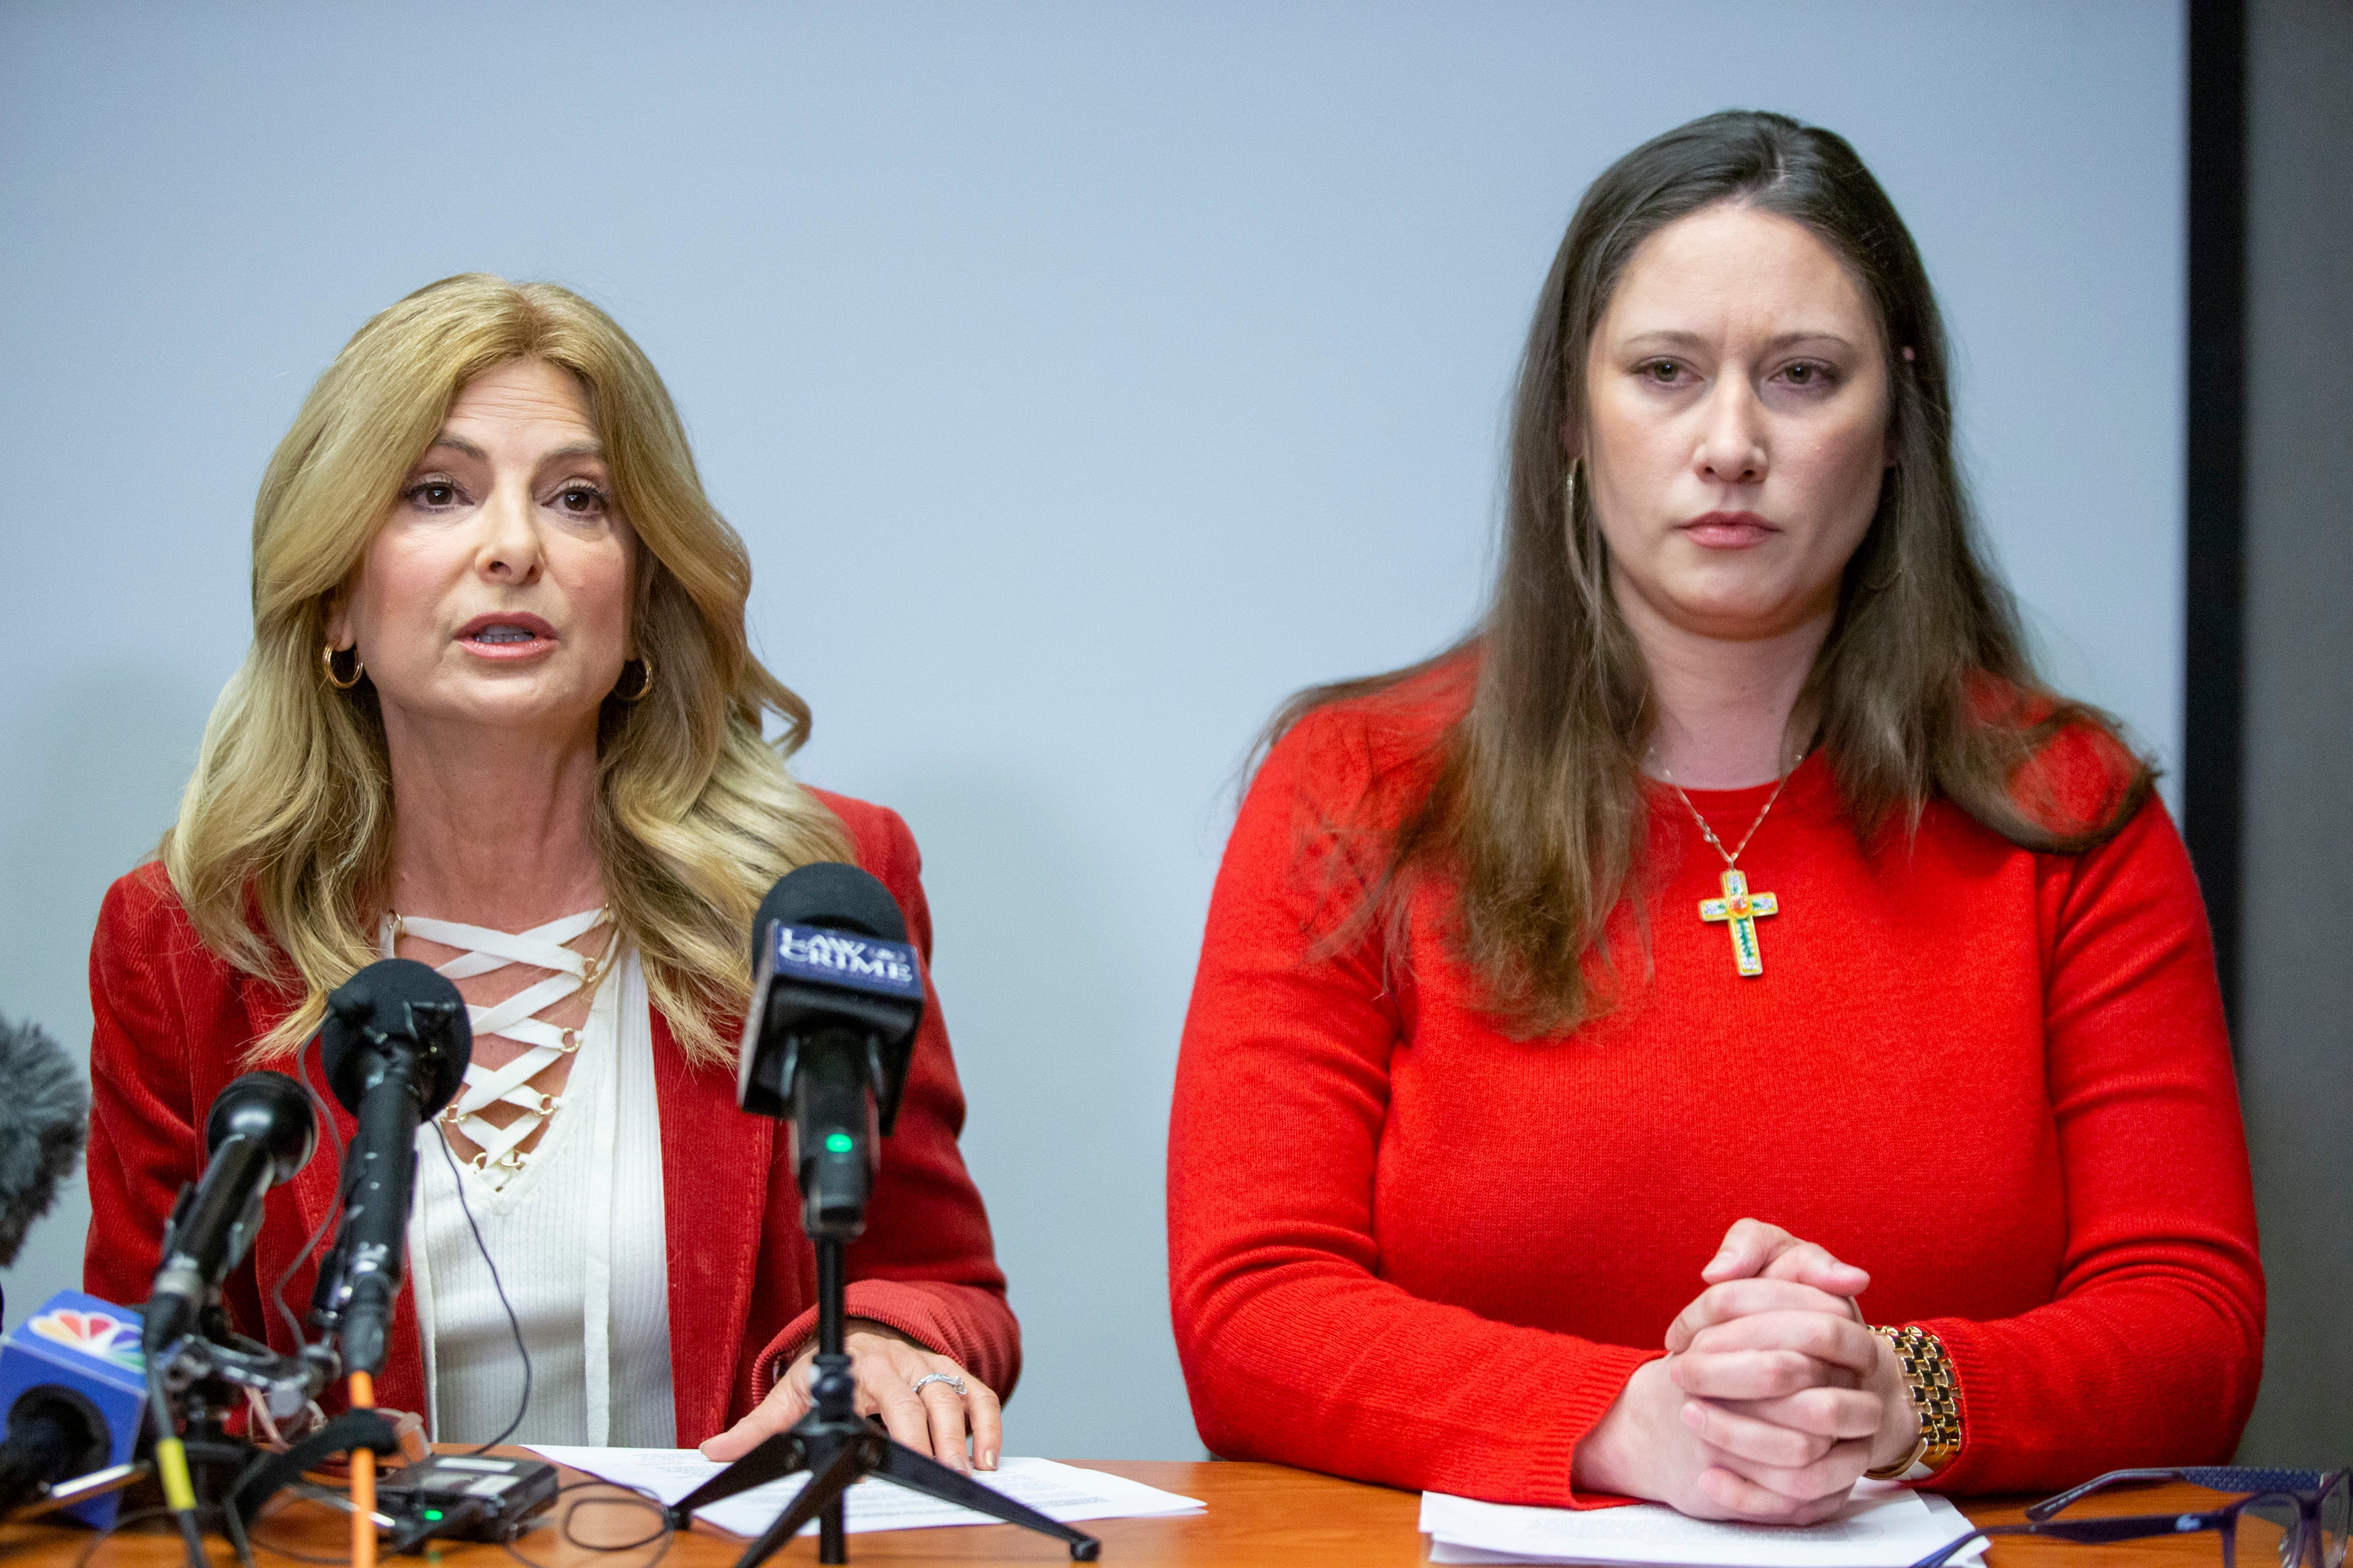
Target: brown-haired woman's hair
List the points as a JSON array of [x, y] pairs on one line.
[[282, 852], [1922, 687]]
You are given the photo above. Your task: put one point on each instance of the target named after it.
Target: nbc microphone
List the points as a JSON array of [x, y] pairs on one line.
[[75, 1390]]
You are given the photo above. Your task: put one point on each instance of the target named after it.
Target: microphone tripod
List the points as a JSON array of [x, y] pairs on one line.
[[837, 994], [838, 1448]]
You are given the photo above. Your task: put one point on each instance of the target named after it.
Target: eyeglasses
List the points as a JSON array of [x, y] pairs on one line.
[[2288, 1519], [2311, 1486]]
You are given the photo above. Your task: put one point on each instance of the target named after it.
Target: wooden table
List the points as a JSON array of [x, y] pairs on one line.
[[1257, 1514]]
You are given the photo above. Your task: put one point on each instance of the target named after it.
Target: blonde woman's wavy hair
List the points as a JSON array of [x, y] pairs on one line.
[[282, 851]]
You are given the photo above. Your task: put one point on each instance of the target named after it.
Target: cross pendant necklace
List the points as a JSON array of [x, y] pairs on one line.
[[1739, 910]]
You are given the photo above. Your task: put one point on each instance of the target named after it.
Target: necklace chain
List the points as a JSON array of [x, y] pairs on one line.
[[1732, 855]]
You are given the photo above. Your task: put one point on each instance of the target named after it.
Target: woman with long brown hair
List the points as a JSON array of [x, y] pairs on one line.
[[1726, 1027], [501, 715]]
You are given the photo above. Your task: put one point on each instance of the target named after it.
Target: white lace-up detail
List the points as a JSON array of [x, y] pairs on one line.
[[579, 1238], [516, 1018]]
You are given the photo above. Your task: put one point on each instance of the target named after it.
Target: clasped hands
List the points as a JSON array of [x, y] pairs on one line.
[[1773, 1398]]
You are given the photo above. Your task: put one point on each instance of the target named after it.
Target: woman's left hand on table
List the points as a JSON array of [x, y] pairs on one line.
[[887, 1365]]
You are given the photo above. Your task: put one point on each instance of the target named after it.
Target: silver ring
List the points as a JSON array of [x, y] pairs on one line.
[[952, 1381]]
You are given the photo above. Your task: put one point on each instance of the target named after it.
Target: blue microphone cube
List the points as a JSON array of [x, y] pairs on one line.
[[92, 1347]]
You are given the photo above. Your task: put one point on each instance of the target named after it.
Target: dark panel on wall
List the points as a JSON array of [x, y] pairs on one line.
[[2214, 691], [2296, 1006]]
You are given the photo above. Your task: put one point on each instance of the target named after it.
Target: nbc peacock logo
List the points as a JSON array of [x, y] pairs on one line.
[[96, 1334]]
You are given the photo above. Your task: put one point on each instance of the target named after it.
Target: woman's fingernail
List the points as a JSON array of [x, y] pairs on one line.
[[989, 1460], [1692, 1416]]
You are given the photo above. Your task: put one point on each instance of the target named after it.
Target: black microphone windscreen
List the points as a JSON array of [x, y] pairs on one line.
[[44, 1122], [270, 1109], [379, 997], [830, 894]]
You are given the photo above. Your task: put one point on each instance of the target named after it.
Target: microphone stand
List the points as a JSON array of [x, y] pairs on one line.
[[203, 1377], [838, 1449]]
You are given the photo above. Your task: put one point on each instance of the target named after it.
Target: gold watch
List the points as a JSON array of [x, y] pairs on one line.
[[1935, 1399]]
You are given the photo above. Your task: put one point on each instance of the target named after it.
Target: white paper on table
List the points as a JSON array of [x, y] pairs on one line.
[[1061, 1493], [1885, 1526]]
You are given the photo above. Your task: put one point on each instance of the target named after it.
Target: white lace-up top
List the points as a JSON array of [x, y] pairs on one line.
[[576, 1226]]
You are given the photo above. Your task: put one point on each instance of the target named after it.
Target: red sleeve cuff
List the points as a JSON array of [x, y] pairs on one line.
[[911, 1308], [1613, 1365]]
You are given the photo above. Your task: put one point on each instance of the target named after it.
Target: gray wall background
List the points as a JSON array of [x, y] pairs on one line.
[[1085, 378], [2295, 1017]]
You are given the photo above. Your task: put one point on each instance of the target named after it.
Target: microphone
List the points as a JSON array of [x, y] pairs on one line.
[[74, 1385], [259, 1132], [44, 1122], [396, 1042], [837, 994]]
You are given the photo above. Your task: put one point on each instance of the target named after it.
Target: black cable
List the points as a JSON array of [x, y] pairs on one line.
[[664, 1538], [326, 1113], [238, 1532], [457, 1180], [637, 1497], [171, 1463], [121, 1521], [272, 1546], [236, 1536], [509, 1548]]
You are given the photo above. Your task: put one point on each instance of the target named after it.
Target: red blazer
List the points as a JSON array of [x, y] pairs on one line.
[[173, 1022]]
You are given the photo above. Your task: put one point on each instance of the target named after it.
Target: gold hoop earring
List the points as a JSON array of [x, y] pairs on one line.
[[645, 681], [327, 657]]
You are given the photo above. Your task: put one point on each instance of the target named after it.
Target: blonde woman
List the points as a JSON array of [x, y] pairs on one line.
[[500, 716]]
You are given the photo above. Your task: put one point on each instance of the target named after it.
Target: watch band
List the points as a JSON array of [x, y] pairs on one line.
[[1935, 1399]]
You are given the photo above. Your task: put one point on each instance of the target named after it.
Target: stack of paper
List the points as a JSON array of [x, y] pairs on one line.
[[1062, 1492], [1885, 1526]]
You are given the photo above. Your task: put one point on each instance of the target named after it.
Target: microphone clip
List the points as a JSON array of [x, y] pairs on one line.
[[210, 1367]]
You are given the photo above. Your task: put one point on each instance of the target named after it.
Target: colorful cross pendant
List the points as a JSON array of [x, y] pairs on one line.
[[1741, 909]]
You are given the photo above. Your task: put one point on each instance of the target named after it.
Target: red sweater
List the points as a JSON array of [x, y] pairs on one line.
[[1406, 1247], [173, 1022]]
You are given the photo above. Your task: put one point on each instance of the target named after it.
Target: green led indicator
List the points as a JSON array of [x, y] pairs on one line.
[[838, 1144], [433, 1514]]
